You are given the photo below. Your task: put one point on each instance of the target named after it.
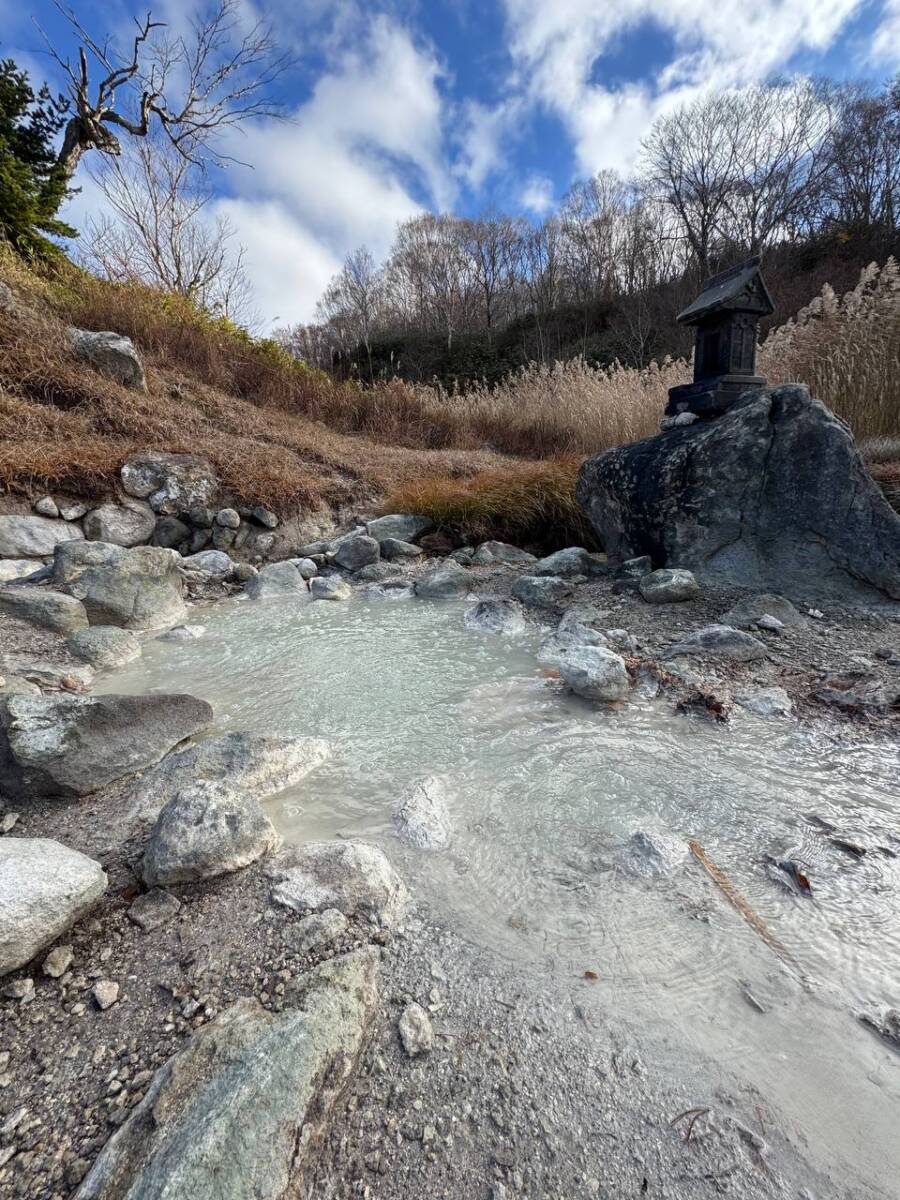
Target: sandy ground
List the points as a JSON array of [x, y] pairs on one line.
[[524, 1094]]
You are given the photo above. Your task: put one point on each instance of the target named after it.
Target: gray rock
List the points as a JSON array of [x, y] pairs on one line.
[[111, 355], [104, 646], [595, 673], [262, 544], [574, 560], [405, 527], [541, 591], [182, 633], [318, 929], [242, 571], [377, 572], [223, 538], [257, 765], [137, 588], [328, 587], [105, 993], [277, 579], [34, 537], [500, 552], [265, 517], [422, 816], [390, 589], [634, 568], [857, 693], [153, 909], [58, 961], [170, 532], [464, 555], [208, 829], [215, 564], [17, 568], [313, 548], [44, 889], [622, 640], [353, 877], [752, 609], [766, 702], [46, 507], [495, 616], [127, 524], [240, 1112], [172, 483], [199, 540], [394, 548], [446, 581], [415, 1031], [770, 624], [64, 746], [74, 511], [720, 641], [42, 607], [577, 628], [306, 567], [355, 552], [14, 685], [651, 853], [47, 674], [770, 495], [669, 586], [228, 518], [202, 517]]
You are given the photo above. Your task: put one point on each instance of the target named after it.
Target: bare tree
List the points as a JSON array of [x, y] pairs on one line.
[[189, 88], [156, 230], [352, 302]]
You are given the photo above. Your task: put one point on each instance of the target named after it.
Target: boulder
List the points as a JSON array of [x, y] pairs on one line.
[[390, 589], [444, 582], [489, 553], [353, 877], [277, 579], [394, 548], [752, 609], [171, 483], [47, 674], [104, 646], [258, 765], [112, 355], [265, 517], [129, 524], [495, 616], [318, 929], [595, 673], [209, 828], [182, 633], [668, 586], [34, 537], [306, 567], [74, 511], [44, 889], [766, 702], [171, 533], [354, 552], [213, 563], [541, 591], [202, 517], [377, 572], [223, 538], [240, 1111], [421, 815], [577, 626], [720, 641], [17, 568], [770, 495], [228, 518], [574, 560], [64, 746], [40, 606], [405, 527], [327, 587], [136, 588]]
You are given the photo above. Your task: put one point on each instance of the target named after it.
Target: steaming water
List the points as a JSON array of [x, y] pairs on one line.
[[546, 790]]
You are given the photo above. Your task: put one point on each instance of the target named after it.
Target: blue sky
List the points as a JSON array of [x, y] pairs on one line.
[[402, 105]]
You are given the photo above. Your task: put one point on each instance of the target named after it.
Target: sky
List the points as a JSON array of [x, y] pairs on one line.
[[395, 107]]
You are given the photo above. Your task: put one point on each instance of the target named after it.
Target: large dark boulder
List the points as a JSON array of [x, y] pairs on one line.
[[770, 495]]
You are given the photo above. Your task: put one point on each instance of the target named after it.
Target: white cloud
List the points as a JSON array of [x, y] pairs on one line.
[[537, 195], [886, 42], [555, 48]]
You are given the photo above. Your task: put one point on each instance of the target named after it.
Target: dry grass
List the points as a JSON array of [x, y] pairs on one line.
[[287, 436], [528, 504]]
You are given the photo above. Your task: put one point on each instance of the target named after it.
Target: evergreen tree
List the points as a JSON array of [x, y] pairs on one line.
[[32, 186]]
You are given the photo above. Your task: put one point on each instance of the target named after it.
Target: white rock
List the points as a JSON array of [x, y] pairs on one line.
[[34, 537], [46, 507], [495, 616], [595, 673], [128, 524], [327, 587], [353, 877], [214, 563], [415, 1030], [422, 815]]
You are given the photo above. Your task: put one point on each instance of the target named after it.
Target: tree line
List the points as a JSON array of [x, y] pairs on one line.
[[731, 174]]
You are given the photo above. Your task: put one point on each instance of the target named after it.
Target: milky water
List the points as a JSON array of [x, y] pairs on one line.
[[546, 790]]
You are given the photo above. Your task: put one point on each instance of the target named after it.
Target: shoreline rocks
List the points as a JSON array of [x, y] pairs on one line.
[[135, 588], [34, 537], [422, 815], [595, 673], [354, 877]]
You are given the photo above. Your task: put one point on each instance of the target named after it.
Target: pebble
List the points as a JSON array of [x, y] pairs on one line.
[[58, 961], [415, 1030], [20, 989], [153, 908], [8, 822], [105, 993]]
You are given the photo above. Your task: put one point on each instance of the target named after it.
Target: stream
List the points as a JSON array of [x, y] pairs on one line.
[[546, 791]]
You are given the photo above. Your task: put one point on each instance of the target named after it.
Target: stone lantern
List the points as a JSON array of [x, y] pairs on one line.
[[726, 316]]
